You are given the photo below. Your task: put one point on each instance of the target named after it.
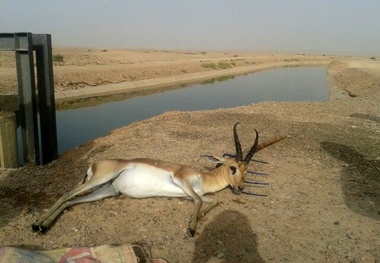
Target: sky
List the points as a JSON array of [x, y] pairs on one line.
[[296, 26]]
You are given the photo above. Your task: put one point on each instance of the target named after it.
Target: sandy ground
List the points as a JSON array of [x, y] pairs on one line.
[[323, 200], [91, 67]]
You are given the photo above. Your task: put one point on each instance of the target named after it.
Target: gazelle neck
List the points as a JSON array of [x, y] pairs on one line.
[[214, 180]]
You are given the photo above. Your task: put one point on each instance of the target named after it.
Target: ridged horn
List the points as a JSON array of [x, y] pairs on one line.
[[267, 143], [253, 149], [239, 152]]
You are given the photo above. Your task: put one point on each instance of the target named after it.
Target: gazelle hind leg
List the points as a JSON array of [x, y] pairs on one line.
[[57, 204], [89, 185], [97, 194], [69, 199]]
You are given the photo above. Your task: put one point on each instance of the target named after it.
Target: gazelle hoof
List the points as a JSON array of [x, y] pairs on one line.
[[190, 232], [39, 228]]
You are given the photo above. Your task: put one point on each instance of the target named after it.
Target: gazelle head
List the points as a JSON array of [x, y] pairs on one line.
[[233, 170]]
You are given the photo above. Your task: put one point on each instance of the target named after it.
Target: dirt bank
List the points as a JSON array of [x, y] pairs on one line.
[[83, 77], [81, 68], [323, 201]]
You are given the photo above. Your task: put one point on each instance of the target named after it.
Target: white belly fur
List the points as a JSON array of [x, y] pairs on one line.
[[141, 181]]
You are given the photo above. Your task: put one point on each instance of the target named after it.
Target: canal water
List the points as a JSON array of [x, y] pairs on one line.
[[78, 126]]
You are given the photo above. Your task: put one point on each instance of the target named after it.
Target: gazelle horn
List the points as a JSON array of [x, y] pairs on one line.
[[239, 152], [252, 151]]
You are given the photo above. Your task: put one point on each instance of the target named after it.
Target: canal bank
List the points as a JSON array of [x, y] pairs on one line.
[[159, 83]]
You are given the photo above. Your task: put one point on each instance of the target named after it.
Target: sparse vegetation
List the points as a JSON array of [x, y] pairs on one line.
[[220, 65], [58, 58], [250, 62], [291, 60], [224, 65], [372, 58], [238, 59], [209, 65]]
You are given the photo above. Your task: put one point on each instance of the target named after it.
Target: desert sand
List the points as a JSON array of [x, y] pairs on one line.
[[323, 200]]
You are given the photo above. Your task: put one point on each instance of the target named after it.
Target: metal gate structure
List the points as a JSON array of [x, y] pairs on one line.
[[39, 135]]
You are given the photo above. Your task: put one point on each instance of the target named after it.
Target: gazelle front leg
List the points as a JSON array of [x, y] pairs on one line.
[[190, 231], [210, 205], [186, 187]]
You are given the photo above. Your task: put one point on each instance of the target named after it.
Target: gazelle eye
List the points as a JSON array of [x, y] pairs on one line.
[[233, 169]]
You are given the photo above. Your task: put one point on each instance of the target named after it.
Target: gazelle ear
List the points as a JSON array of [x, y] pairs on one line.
[[215, 159]]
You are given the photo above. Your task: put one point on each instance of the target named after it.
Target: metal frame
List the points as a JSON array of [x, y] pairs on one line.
[[39, 148]]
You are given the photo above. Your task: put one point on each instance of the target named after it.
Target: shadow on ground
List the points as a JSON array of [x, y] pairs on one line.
[[29, 190], [228, 238], [366, 117], [360, 179]]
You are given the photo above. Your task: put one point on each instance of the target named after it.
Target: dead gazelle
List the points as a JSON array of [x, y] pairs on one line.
[[142, 178]]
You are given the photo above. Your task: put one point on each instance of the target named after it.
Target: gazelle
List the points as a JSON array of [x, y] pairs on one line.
[[142, 178]]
